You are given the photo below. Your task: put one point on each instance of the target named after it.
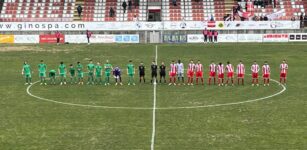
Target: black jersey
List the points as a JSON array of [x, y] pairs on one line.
[[162, 69], [154, 68], [142, 70]]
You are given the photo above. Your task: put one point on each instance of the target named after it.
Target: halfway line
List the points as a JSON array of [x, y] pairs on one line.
[[152, 147]]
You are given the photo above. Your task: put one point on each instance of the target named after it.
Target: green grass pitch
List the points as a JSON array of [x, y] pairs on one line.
[[28, 123]]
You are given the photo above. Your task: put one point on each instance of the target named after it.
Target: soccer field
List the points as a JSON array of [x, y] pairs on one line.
[[147, 116]]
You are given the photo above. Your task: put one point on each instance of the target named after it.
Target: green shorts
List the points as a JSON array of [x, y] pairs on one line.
[[107, 74], [90, 74], [72, 75], [130, 74], [98, 75], [42, 74], [63, 75], [80, 75], [28, 76]]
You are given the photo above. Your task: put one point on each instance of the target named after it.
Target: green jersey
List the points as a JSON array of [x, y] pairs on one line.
[[108, 68], [26, 69], [72, 71], [42, 68], [52, 73], [98, 70], [80, 68], [62, 69], [90, 67], [130, 68]]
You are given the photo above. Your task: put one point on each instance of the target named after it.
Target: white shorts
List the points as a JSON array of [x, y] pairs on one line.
[[180, 74]]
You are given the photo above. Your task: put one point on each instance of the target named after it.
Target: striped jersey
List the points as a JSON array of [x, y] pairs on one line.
[[173, 68], [255, 68], [266, 69], [283, 68], [220, 69], [229, 68], [212, 68], [240, 69], [191, 67], [199, 67]]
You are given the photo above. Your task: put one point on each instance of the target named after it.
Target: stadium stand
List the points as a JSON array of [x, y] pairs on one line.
[[98, 10], [37, 10]]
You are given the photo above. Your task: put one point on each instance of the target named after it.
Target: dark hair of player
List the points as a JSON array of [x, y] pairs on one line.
[[61, 62], [78, 62], [220, 63], [179, 61], [130, 60], [42, 60], [71, 65], [228, 62]]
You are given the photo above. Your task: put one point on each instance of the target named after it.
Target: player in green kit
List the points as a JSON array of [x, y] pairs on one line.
[[90, 69], [52, 76], [80, 73], [26, 72], [107, 72], [72, 73], [42, 68], [98, 73], [62, 72], [130, 72]]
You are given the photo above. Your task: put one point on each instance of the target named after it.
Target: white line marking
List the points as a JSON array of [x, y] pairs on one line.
[[152, 147], [150, 108]]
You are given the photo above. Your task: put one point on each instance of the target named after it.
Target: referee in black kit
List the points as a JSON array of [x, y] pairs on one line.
[[162, 72], [142, 72], [154, 70]]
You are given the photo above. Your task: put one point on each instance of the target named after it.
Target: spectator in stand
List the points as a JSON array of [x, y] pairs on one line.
[[124, 5], [129, 5], [210, 35], [58, 37], [136, 3], [293, 18], [111, 12], [205, 33], [79, 9], [174, 2], [135, 18], [302, 19], [265, 18], [88, 36], [215, 34]]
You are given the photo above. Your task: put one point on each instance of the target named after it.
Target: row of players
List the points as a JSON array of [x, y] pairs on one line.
[[176, 71]]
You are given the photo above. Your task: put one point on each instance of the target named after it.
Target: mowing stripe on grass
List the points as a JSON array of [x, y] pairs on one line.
[[152, 147]]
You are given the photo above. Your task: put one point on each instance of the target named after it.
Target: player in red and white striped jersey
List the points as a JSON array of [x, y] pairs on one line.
[[199, 72], [283, 72], [229, 68], [240, 72], [266, 71], [172, 73], [190, 72], [212, 73], [255, 69], [220, 72]]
